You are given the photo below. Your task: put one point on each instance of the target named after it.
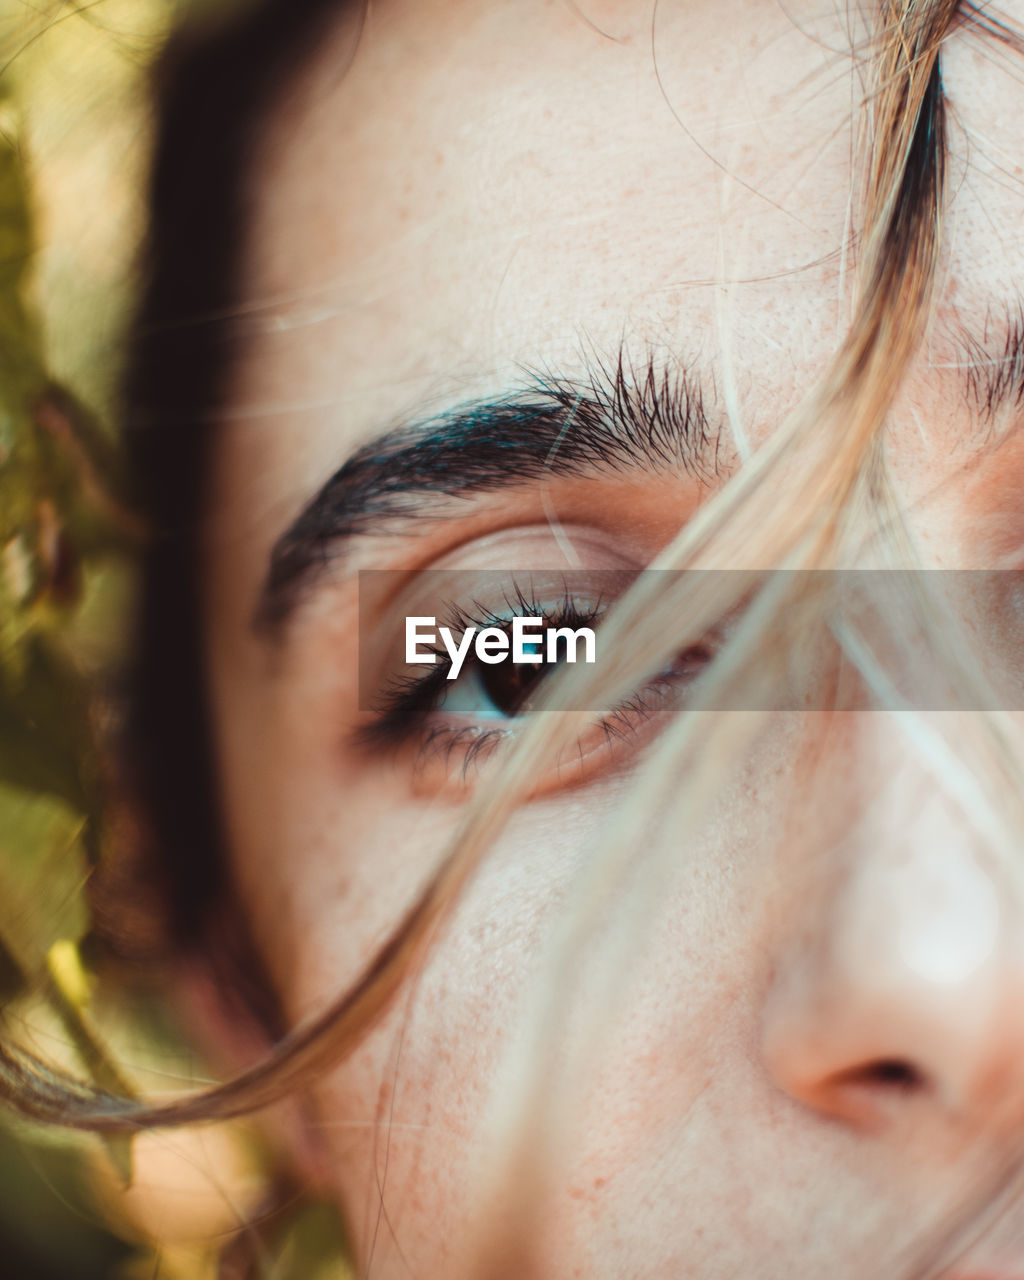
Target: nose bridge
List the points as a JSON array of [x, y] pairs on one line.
[[907, 960]]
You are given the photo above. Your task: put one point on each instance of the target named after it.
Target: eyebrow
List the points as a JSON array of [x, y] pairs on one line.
[[613, 420]]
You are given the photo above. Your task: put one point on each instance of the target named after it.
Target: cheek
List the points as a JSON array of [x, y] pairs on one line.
[[641, 1011], [406, 1116]]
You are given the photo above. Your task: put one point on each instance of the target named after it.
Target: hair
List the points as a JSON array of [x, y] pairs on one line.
[[795, 499]]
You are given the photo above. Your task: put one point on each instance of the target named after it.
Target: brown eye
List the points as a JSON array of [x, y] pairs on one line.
[[510, 685]]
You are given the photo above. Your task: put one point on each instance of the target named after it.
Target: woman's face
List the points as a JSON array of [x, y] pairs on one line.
[[815, 1049]]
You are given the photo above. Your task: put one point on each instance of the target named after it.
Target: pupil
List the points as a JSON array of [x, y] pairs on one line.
[[509, 685]]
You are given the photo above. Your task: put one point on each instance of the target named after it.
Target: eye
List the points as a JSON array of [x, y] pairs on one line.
[[494, 691], [448, 731], [474, 691], [444, 705]]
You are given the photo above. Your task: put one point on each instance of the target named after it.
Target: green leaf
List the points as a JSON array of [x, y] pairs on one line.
[[43, 871]]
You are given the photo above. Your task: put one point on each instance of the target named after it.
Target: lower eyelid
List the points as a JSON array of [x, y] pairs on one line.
[[450, 758], [447, 756]]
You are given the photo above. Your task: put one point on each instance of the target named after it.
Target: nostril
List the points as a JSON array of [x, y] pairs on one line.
[[871, 1094], [895, 1074]]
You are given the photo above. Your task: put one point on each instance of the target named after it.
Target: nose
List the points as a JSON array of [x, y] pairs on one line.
[[900, 975]]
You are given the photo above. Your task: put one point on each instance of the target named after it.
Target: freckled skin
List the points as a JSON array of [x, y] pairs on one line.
[[497, 185]]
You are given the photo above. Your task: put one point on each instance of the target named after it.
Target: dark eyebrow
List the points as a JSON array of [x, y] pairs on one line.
[[614, 419], [611, 421]]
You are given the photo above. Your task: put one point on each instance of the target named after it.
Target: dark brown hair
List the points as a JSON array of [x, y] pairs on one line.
[[214, 86]]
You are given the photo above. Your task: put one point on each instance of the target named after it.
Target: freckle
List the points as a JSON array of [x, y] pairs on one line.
[[599, 1183]]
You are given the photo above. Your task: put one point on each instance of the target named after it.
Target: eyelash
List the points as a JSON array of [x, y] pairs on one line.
[[406, 702]]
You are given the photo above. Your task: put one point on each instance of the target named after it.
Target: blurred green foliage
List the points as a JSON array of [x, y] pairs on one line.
[[45, 1231], [60, 517], [64, 531]]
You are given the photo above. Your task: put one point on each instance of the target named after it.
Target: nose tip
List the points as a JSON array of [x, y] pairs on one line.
[[905, 990]]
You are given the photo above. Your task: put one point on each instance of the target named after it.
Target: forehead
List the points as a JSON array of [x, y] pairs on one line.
[[480, 183], [457, 189]]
